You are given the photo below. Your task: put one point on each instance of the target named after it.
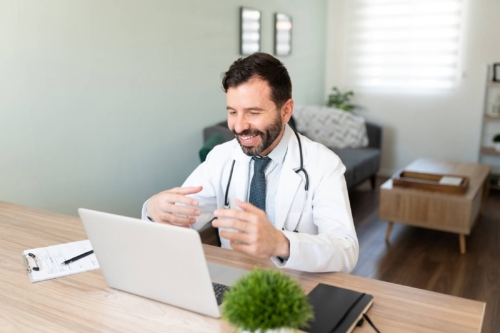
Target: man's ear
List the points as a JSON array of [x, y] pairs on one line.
[[286, 110]]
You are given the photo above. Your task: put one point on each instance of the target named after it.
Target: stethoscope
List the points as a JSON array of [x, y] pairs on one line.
[[301, 169]]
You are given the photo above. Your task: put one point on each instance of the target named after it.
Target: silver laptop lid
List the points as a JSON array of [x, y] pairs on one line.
[[157, 261]]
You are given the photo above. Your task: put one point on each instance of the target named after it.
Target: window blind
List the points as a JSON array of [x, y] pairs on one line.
[[404, 43]]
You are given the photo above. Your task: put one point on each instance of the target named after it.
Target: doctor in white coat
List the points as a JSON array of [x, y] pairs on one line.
[[310, 230]]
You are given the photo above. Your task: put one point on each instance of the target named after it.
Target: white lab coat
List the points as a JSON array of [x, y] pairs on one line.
[[326, 240]]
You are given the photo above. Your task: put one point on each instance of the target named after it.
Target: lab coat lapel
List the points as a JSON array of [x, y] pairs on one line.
[[289, 183]]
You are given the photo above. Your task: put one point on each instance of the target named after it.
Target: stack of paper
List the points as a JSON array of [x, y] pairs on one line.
[[447, 180]]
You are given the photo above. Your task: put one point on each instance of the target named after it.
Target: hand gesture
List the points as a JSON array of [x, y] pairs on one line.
[[163, 207], [254, 234]]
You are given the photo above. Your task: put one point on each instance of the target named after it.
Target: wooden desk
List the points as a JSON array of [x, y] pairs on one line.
[[455, 213], [84, 303]]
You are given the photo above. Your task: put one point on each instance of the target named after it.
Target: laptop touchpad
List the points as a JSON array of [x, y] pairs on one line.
[[224, 274]]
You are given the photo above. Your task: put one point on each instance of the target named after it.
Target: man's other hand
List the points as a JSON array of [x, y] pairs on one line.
[[254, 233], [164, 207]]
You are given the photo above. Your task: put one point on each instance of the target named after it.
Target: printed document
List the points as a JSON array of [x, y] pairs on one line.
[[49, 260]]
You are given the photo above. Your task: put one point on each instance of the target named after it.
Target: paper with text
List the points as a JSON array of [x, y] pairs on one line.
[[50, 260]]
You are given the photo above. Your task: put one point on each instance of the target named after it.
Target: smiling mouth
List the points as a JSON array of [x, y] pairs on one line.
[[248, 140]]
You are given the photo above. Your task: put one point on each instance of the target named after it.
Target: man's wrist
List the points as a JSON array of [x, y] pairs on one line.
[[283, 249]]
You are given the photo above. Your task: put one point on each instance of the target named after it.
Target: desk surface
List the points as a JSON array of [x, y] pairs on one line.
[[84, 302]]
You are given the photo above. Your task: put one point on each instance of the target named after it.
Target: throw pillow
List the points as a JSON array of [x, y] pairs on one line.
[[332, 127]]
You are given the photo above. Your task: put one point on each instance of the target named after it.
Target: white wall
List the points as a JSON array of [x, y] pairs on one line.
[[445, 125], [103, 103]]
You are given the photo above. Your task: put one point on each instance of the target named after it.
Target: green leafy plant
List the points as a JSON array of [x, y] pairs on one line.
[[340, 100], [496, 138], [266, 299]]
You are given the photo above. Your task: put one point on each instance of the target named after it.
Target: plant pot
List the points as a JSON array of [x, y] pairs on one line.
[[497, 146]]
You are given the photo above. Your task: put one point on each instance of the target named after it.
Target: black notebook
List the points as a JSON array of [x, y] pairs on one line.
[[336, 310]]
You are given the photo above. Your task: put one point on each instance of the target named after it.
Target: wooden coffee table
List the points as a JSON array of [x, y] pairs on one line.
[[455, 213]]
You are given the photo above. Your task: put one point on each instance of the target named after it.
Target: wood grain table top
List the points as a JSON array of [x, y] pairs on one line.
[[84, 303]]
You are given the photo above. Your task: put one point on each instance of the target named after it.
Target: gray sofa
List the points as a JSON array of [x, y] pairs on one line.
[[361, 163]]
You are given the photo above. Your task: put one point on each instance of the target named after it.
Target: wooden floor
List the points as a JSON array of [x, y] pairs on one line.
[[428, 259]]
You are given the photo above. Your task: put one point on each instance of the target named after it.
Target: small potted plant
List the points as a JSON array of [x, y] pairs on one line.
[[496, 142], [266, 301], [340, 100]]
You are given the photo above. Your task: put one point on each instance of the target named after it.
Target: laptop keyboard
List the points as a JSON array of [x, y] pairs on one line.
[[219, 291]]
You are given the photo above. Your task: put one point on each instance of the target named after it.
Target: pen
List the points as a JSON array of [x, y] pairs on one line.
[[83, 255]]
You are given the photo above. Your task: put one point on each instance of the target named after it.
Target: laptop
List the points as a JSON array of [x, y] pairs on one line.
[[157, 261]]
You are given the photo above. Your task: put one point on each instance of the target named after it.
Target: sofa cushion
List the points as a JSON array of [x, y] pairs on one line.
[[360, 163], [331, 127]]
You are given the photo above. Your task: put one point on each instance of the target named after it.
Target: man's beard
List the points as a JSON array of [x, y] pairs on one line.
[[269, 135]]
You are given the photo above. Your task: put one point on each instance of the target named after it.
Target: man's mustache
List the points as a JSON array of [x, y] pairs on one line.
[[248, 132]]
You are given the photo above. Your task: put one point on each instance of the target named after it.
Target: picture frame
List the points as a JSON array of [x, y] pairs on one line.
[[250, 26], [496, 72], [282, 34]]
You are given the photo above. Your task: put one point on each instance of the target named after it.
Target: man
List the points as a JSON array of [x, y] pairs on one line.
[[253, 186]]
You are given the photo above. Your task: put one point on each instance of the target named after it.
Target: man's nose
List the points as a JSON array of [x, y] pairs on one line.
[[241, 124]]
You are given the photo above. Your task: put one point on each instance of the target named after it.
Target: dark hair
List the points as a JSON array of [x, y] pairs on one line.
[[265, 67]]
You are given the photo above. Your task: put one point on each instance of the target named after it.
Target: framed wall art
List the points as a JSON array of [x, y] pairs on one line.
[[282, 34], [496, 72], [249, 31]]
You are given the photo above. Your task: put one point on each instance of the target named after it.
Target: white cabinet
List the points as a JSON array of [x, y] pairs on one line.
[[490, 128]]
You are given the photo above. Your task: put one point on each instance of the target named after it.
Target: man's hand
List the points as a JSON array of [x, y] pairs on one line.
[[162, 207], [255, 234]]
